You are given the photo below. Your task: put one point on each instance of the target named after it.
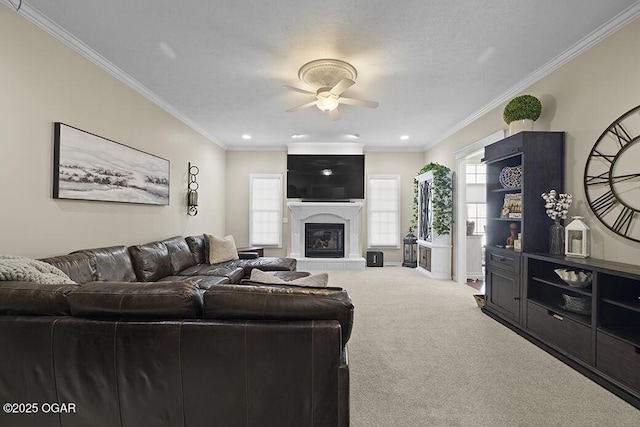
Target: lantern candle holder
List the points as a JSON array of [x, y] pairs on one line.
[[410, 249], [577, 238]]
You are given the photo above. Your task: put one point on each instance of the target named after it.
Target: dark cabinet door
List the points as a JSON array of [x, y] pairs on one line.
[[425, 257], [503, 293]]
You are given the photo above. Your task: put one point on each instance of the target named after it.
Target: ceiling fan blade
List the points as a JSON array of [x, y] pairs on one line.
[[300, 107], [359, 102], [298, 90], [341, 86], [334, 114]]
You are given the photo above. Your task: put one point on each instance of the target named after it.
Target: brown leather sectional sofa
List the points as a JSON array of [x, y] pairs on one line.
[[152, 335]]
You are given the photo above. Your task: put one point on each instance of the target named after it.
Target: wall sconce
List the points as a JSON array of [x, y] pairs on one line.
[[192, 191]]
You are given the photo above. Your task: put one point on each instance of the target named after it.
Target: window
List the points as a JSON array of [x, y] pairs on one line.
[[476, 173], [265, 210], [477, 212], [383, 215]]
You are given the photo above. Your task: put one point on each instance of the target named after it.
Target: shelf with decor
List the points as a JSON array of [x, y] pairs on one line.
[[519, 169], [546, 288], [600, 336]]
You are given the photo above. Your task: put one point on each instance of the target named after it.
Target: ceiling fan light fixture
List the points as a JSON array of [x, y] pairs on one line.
[[326, 72], [330, 78], [327, 101]]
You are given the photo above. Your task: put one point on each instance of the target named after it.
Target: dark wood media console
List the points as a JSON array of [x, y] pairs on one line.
[[601, 340], [599, 333]]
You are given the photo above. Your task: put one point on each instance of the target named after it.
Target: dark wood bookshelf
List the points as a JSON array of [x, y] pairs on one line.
[[540, 155]]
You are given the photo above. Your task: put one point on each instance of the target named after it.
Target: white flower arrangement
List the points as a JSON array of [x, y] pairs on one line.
[[557, 205]]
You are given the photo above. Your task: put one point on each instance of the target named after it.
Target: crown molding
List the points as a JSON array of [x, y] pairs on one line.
[[325, 148], [605, 30], [50, 27], [365, 148], [393, 149], [34, 16], [257, 148]]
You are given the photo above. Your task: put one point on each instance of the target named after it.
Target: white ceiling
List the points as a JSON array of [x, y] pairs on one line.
[[432, 65]]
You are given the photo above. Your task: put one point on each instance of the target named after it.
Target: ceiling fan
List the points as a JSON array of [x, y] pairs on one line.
[[330, 77]]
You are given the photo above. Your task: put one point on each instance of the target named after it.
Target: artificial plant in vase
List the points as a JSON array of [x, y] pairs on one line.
[[442, 202], [521, 112], [557, 206]]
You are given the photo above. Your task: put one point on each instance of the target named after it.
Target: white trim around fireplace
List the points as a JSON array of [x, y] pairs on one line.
[[329, 212]]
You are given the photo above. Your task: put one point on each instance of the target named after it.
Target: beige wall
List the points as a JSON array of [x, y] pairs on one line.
[[581, 98], [41, 82], [407, 165], [240, 164]]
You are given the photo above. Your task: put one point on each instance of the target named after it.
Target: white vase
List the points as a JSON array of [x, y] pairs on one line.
[[518, 126]]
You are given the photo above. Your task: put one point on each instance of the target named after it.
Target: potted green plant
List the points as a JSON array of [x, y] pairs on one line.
[[521, 112], [442, 198]]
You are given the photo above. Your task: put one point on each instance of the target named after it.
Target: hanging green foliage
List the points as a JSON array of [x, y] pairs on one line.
[[442, 203]]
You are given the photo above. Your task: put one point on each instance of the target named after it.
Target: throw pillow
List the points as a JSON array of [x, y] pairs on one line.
[[221, 249], [315, 280]]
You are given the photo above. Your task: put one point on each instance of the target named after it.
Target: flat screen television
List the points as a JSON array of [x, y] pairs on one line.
[[325, 177]]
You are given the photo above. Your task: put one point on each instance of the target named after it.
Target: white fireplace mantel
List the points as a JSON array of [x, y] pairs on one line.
[[346, 213]]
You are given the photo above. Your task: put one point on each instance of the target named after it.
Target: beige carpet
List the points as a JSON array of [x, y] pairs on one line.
[[423, 354]]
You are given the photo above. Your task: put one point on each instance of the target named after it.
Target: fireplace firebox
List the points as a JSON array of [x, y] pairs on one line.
[[323, 240]]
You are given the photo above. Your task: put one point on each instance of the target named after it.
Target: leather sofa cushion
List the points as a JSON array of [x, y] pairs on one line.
[[35, 299], [203, 282], [197, 248], [151, 261], [179, 254], [113, 264], [280, 302], [265, 264], [126, 300], [80, 267], [234, 273]]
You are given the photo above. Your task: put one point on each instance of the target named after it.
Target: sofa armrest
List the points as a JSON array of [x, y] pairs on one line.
[[137, 300], [36, 299], [280, 302]]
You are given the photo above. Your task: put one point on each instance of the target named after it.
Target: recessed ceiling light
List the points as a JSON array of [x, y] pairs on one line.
[[404, 137], [298, 135], [352, 135], [246, 136]]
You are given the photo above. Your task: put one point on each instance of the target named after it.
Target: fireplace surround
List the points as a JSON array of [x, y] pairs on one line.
[[344, 213]]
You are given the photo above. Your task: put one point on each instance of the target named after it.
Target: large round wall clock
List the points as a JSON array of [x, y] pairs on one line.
[[612, 176]]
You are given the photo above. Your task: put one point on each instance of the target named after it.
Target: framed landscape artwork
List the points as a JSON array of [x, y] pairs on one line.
[[89, 167]]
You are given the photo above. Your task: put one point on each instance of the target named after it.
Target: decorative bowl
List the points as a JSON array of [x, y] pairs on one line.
[[577, 279], [511, 177], [580, 305]]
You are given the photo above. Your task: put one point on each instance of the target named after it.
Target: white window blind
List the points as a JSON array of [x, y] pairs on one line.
[[476, 173], [383, 211], [265, 210]]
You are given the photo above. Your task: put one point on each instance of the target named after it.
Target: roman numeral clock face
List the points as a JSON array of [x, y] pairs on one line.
[[612, 176]]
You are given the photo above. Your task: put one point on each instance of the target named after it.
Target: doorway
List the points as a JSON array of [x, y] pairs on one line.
[[470, 206]]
